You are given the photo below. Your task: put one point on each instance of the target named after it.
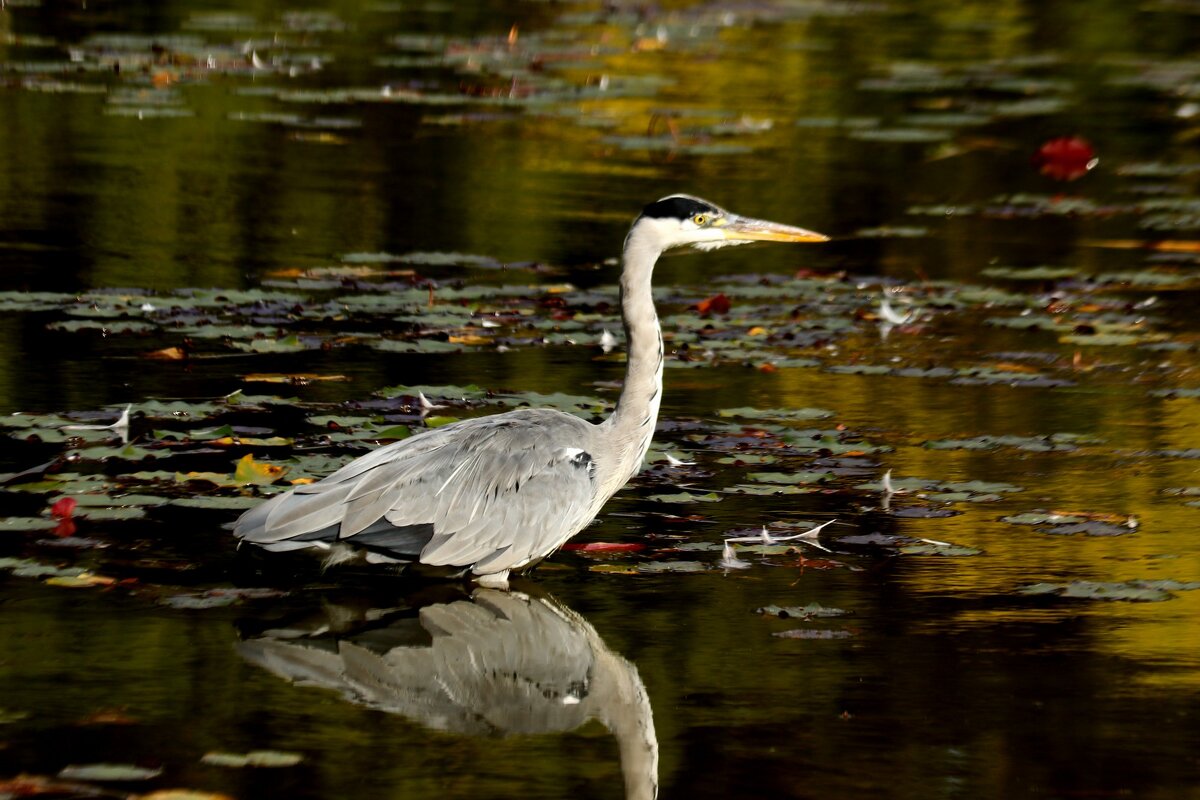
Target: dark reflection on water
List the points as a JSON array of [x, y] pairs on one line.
[[496, 663]]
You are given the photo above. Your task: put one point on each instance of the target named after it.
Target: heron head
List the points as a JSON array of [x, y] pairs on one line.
[[679, 220]]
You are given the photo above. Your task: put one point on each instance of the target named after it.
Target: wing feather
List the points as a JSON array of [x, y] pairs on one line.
[[494, 493]]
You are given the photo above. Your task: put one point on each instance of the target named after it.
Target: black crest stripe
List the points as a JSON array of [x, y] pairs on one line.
[[677, 207]]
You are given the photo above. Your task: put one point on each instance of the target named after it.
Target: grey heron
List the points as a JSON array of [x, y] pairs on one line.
[[500, 663], [499, 493]]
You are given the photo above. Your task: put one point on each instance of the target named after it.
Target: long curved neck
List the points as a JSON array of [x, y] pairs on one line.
[[632, 423]]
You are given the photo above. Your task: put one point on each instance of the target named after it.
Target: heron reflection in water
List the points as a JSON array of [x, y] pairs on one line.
[[496, 494], [500, 663]]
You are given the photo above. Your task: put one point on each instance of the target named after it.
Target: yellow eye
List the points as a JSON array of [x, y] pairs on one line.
[[700, 220]]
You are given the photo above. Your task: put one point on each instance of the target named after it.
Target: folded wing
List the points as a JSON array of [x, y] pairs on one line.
[[492, 493]]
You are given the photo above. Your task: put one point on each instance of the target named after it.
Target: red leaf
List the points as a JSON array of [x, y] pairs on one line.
[[66, 527], [611, 547], [1065, 158], [64, 508], [717, 304]]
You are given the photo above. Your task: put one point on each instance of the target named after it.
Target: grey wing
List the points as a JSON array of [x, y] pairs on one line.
[[494, 493]]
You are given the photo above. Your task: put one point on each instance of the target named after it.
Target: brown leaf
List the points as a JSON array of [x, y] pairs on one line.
[[717, 304], [167, 354]]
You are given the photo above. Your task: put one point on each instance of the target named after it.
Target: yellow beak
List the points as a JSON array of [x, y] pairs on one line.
[[745, 229]]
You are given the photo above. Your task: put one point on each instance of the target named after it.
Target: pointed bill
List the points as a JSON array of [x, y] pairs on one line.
[[746, 229]]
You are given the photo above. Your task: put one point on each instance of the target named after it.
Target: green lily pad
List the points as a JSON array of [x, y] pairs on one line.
[[1134, 591], [810, 611], [27, 524], [814, 633], [766, 491], [88, 501], [117, 514], [1041, 273], [570, 403], [108, 772], [790, 477], [434, 393], [746, 459], [217, 502], [746, 412], [925, 549], [685, 497], [256, 758], [672, 566]]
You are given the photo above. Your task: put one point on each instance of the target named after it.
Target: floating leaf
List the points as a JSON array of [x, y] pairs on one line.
[[776, 413], [84, 580], [813, 633], [685, 497], [604, 547], [296, 379], [924, 512], [810, 611], [217, 502], [1066, 158], [672, 566], [614, 569], [925, 549], [39, 785], [766, 491], [256, 758], [791, 477], [26, 524], [1135, 591], [258, 473], [717, 304], [745, 459], [1042, 519], [108, 772]]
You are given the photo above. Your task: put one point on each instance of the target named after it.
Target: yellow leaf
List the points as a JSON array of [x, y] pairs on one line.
[[757, 330], [84, 580], [470, 338], [234, 441], [614, 569], [1168, 246], [251, 471], [299, 379]]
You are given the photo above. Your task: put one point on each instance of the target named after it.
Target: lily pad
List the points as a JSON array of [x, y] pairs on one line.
[[108, 772], [1144, 591], [27, 524], [217, 502], [925, 549], [256, 758], [686, 497], [791, 477], [672, 566], [746, 412], [810, 611], [814, 633]]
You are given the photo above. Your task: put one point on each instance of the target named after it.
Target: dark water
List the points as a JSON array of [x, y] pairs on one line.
[[129, 160]]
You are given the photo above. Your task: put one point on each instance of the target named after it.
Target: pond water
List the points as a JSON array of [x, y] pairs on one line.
[[269, 229]]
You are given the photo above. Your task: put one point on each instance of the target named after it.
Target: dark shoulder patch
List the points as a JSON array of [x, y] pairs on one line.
[[677, 206]]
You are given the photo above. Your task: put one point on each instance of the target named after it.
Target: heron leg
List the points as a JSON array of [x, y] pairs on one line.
[[494, 580]]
